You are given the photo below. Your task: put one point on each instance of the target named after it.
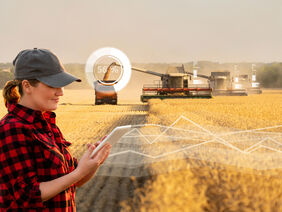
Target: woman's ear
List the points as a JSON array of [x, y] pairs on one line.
[[26, 87]]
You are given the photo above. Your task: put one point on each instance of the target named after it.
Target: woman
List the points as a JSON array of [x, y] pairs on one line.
[[37, 171]]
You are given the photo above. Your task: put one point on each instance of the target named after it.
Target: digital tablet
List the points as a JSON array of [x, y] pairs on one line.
[[113, 137]]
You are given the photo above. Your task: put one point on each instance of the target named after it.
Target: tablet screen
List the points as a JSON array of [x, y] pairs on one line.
[[113, 137]]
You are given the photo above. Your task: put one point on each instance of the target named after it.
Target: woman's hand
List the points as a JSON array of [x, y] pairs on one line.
[[85, 169], [89, 165]]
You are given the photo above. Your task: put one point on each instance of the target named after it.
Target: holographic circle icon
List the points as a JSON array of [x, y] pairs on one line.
[[106, 62]]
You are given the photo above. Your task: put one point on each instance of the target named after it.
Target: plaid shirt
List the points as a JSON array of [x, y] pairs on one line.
[[32, 150]]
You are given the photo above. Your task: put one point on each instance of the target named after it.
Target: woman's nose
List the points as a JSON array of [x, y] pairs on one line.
[[60, 92]]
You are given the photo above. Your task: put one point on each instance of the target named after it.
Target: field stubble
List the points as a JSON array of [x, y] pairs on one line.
[[82, 123]]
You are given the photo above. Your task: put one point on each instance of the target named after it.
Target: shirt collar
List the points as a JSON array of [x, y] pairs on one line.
[[50, 117], [29, 114]]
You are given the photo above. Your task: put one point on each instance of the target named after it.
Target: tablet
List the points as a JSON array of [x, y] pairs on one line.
[[113, 137]]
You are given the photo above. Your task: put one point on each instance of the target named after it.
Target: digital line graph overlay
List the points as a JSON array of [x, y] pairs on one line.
[[262, 146]]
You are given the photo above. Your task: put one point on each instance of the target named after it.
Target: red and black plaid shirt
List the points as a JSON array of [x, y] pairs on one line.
[[32, 150]]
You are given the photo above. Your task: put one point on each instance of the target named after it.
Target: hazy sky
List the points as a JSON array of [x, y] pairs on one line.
[[146, 30]]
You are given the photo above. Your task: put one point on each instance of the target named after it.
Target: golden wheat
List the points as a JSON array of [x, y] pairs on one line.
[[200, 185]]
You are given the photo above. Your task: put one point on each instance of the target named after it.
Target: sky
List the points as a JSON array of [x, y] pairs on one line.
[[147, 31]]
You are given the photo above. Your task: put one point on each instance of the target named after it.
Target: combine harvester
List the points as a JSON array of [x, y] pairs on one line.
[[176, 84], [223, 84], [255, 86]]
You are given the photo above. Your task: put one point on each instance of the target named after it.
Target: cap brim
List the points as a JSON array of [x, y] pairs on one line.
[[58, 80]]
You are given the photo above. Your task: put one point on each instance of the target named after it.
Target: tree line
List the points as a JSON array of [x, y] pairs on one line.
[[268, 75]]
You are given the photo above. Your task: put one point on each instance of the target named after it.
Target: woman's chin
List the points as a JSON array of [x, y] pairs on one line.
[[52, 107]]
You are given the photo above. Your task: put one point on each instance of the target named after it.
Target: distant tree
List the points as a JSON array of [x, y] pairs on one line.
[[270, 75], [4, 77]]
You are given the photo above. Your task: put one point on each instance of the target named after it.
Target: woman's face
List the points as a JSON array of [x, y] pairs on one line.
[[43, 97]]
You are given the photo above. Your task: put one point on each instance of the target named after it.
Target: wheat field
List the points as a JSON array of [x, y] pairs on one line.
[[201, 185], [182, 184]]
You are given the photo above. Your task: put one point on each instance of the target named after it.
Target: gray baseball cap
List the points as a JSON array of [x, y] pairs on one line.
[[43, 65]]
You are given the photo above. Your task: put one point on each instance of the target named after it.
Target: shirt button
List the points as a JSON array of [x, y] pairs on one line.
[[49, 134]]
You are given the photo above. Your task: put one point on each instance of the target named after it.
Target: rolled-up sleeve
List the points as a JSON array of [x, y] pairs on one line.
[[75, 162], [17, 170]]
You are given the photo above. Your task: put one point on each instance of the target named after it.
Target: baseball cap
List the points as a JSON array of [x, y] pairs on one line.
[[43, 65]]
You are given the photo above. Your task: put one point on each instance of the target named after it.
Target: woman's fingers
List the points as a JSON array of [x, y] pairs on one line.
[[99, 156], [98, 142], [90, 149], [105, 157], [106, 153], [87, 164]]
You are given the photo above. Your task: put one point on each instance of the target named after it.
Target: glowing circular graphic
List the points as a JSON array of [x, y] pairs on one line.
[[105, 61]]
